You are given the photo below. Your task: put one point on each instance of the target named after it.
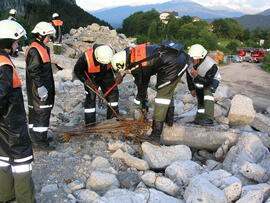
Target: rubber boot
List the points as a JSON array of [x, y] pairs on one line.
[[157, 127], [169, 117], [110, 113]]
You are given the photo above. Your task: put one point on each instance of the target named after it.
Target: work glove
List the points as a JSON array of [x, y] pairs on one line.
[[42, 93], [118, 77], [90, 85], [145, 107]]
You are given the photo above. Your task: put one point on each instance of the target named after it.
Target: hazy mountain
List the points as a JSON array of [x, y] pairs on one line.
[[266, 12], [253, 21], [116, 15]]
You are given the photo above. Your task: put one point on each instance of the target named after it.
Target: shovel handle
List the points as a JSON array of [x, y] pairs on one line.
[[115, 84]]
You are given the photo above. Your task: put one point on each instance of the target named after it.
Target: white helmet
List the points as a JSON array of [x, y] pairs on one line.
[[11, 30], [55, 15], [12, 12], [119, 61], [44, 28], [197, 51], [103, 54]]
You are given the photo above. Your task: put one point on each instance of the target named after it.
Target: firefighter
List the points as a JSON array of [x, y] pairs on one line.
[[12, 14], [57, 41], [40, 85], [169, 63], [203, 79], [93, 68], [16, 152]]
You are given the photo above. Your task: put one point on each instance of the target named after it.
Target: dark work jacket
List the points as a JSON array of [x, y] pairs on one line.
[[81, 67], [38, 74], [14, 138], [207, 80], [167, 65]]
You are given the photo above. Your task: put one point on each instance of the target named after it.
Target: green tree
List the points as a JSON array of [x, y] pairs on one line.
[[266, 62]]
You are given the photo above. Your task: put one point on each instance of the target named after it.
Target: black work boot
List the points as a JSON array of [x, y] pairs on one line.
[[169, 117], [157, 127], [111, 114]]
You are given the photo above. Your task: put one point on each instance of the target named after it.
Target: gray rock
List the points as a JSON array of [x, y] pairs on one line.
[[214, 186], [250, 149], [161, 183], [261, 123], [49, 188], [256, 193], [101, 182], [121, 195], [100, 162], [221, 93], [76, 185], [241, 111], [182, 172], [159, 157], [154, 196], [254, 171], [128, 180], [114, 146], [131, 160], [87, 195]]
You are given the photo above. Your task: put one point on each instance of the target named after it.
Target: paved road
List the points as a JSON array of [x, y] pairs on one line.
[[248, 79]]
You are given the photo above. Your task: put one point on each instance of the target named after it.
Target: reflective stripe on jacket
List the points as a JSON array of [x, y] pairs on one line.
[[92, 68], [41, 50], [15, 77]]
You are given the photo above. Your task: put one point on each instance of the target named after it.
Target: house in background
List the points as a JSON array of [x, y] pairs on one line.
[[165, 16]]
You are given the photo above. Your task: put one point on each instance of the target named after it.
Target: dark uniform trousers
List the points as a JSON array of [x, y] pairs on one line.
[[16, 181], [205, 103], [105, 83], [39, 120], [164, 103]]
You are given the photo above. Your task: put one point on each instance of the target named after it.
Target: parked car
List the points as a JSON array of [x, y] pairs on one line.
[[232, 59]]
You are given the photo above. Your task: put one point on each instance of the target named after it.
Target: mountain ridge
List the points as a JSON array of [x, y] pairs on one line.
[[116, 15]]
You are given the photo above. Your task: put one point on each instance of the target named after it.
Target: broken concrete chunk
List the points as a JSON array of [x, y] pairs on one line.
[[242, 111], [161, 183], [159, 157]]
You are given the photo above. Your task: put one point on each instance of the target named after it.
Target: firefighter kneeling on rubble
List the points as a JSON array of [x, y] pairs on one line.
[[40, 85], [16, 152], [94, 70], [169, 62], [203, 79]]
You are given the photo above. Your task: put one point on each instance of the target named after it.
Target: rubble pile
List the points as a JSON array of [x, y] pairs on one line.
[[229, 162], [78, 40]]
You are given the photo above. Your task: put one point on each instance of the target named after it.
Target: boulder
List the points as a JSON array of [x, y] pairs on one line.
[[151, 179], [215, 186], [248, 151], [181, 172], [242, 111], [159, 157], [131, 160], [101, 182], [261, 123]]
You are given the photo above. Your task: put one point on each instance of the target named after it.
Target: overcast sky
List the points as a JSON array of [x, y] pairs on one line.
[[245, 6]]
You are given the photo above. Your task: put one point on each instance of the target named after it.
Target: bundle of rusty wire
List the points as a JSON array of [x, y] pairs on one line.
[[125, 127]]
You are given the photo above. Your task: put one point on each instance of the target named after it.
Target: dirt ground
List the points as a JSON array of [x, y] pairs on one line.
[[248, 79]]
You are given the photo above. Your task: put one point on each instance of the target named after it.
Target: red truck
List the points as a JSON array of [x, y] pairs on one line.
[[252, 55]]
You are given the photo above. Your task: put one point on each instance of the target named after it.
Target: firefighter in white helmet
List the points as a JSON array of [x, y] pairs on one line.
[[203, 79], [93, 68], [40, 85], [57, 41], [12, 14], [169, 62], [16, 152]]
